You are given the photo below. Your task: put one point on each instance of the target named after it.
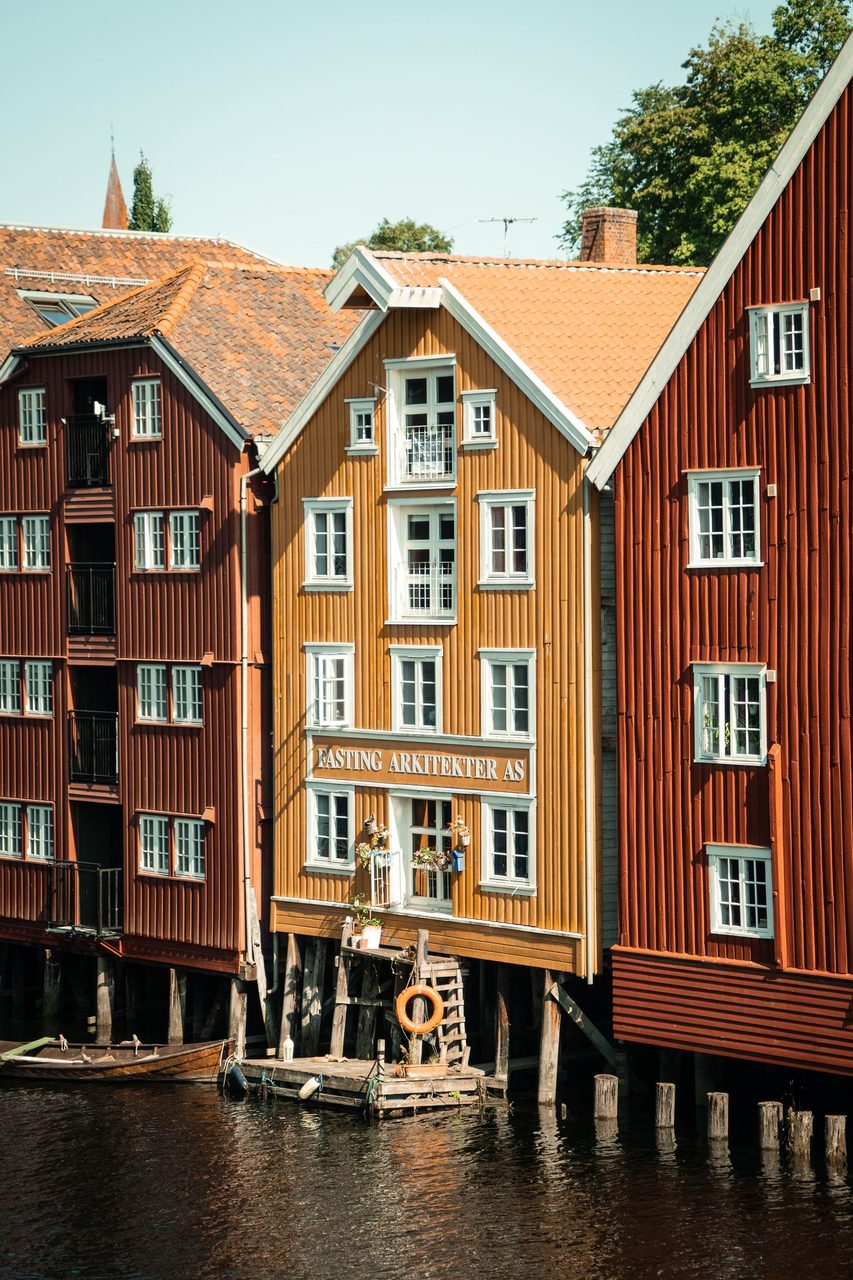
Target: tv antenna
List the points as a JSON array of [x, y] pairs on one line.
[[507, 224]]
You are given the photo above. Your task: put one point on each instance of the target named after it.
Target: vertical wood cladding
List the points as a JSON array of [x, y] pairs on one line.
[[531, 454], [793, 613], [167, 617]]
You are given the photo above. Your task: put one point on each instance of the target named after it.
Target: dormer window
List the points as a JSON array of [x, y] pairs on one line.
[[779, 344], [58, 308], [422, 421]]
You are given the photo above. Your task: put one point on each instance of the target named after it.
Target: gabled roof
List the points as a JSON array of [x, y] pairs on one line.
[[103, 264], [254, 338], [722, 268]]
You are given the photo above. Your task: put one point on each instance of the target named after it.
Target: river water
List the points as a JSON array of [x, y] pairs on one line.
[[176, 1182]]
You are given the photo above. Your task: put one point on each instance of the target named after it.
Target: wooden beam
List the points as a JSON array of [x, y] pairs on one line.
[[104, 1000], [502, 1022], [52, 989], [369, 1003], [292, 987], [549, 1043], [237, 1017], [177, 1006], [418, 1008], [208, 1027], [580, 1019], [339, 1017], [26, 1048], [312, 995]]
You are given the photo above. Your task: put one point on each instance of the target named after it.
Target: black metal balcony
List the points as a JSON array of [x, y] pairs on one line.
[[87, 451], [85, 898], [93, 746], [91, 599]]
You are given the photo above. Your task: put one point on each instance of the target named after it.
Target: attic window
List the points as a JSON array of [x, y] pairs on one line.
[[58, 308], [779, 343]]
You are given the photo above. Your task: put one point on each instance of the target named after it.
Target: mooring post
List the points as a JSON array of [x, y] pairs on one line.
[[104, 1000], [177, 1006], [769, 1122], [549, 1045], [606, 1097], [665, 1106], [237, 1010], [418, 1013], [502, 1023], [292, 986], [835, 1136], [52, 988], [800, 1125], [718, 1115]]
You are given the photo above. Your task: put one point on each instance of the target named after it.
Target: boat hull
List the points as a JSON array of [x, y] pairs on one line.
[[116, 1064]]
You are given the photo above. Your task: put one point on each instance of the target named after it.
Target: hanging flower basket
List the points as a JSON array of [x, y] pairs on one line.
[[431, 859]]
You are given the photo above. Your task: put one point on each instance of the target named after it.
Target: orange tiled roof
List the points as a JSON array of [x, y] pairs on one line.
[[98, 263], [258, 336], [588, 330]]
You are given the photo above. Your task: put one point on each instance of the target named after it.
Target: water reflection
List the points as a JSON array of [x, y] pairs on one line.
[[166, 1183]]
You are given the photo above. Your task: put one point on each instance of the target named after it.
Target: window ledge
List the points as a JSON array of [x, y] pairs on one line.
[[340, 587], [26, 446], [795, 380], [168, 724], [420, 622], [416, 487], [479, 444], [493, 584], [743, 762], [749, 935], [748, 565], [361, 450], [323, 869], [512, 890]]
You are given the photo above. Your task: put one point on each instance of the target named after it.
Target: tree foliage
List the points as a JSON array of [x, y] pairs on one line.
[[405, 236], [147, 211], [688, 157]]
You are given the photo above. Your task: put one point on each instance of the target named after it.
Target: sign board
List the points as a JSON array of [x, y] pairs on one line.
[[450, 767]]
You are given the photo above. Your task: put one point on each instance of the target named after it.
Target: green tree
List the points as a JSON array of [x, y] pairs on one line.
[[688, 157], [405, 236], [147, 211]]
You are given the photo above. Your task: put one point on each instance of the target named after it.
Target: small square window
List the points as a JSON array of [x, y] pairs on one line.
[[478, 417], [36, 537], [362, 429], [32, 416], [741, 890], [146, 423], [779, 343], [506, 539], [724, 518]]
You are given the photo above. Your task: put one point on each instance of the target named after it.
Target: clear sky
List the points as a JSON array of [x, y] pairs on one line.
[[291, 127]]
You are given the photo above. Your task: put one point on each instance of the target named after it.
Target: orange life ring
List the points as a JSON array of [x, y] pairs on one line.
[[428, 993]]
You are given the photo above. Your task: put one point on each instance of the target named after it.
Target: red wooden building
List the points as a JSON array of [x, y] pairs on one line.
[[134, 652], [734, 537]]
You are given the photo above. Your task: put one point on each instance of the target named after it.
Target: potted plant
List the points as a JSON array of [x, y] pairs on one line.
[[377, 841], [371, 928], [431, 859]]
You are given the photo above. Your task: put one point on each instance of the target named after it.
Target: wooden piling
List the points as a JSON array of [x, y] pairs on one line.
[[291, 990], [800, 1125], [215, 1012], [177, 1006], [52, 989], [665, 1106], [770, 1116], [703, 1078], [312, 995], [549, 1044], [835, 1137], [718, 1115], [502, 1023], [418, 1009], [339, 1017], [606, 1097], [104, 1000], [237, 1010], [366, 1030]]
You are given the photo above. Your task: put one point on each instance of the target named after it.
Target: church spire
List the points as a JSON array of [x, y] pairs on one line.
[[115, 210]]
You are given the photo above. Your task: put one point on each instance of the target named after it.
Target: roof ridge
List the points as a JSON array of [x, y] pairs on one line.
[[116, 233], [562, 264], [195, 274]]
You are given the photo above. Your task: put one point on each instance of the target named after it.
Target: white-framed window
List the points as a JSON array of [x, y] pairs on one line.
[[362, 425], [730, 712], [741, 890], [11, 836], [150, 547], [724, 517], [508, 845], [478, 417], [32, 416], [507, 693], [40, 831], [416, 688], [328, 543], [154, 843], [152, 702], [147, 417], [422, 561], [329, 676], [8, 543], [58, 308], [331, 827], [36, 531], [10, 687], [506, 538], [186, 695], [189, 848], [38, 688], [779, 343], [184, 540], [422, 421]]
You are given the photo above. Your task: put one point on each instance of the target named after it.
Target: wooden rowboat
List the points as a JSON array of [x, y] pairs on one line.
[[130, 1062]]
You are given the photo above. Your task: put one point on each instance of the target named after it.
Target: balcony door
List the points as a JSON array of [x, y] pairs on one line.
[[421, 824]]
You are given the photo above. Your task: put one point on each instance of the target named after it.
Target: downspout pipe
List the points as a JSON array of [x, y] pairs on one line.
[[244, 711], [589, 743]]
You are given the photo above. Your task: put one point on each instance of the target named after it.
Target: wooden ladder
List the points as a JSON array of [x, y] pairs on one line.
[[446, 974]]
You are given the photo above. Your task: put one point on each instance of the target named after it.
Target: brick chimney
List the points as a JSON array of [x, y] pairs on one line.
[[609, 235]]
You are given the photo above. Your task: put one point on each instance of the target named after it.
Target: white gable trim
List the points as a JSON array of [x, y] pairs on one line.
[[721, 269], [333, 371], [362, 271], [8, 368], [525, 379], [205, 397]]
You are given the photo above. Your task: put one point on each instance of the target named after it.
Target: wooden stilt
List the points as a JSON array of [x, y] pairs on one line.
[[237, 1017], [718, 1115], [606, 1097], [291, 994], [217, 1008], [75, 976], [177, 1006], [131, 1006], [835, 1137], [417, 1010], [104, 1000], [549, 1045], [312, 995], [665, 1106], [367, 1013], [703, 1078], [52, 989], [502, 1023], [769, 1122], [19, 982], [800, 1134], [339, 1017]]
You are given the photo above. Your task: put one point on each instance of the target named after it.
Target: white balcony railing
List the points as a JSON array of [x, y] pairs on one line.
[[387, 887], [428, 453], [427, 590]]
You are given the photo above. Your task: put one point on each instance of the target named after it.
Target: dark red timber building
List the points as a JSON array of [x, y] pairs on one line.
[[134, 650], [734, 541]]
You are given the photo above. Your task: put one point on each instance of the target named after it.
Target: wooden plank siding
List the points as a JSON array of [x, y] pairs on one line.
[[792, 614], [531, 455], [160, 617]]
